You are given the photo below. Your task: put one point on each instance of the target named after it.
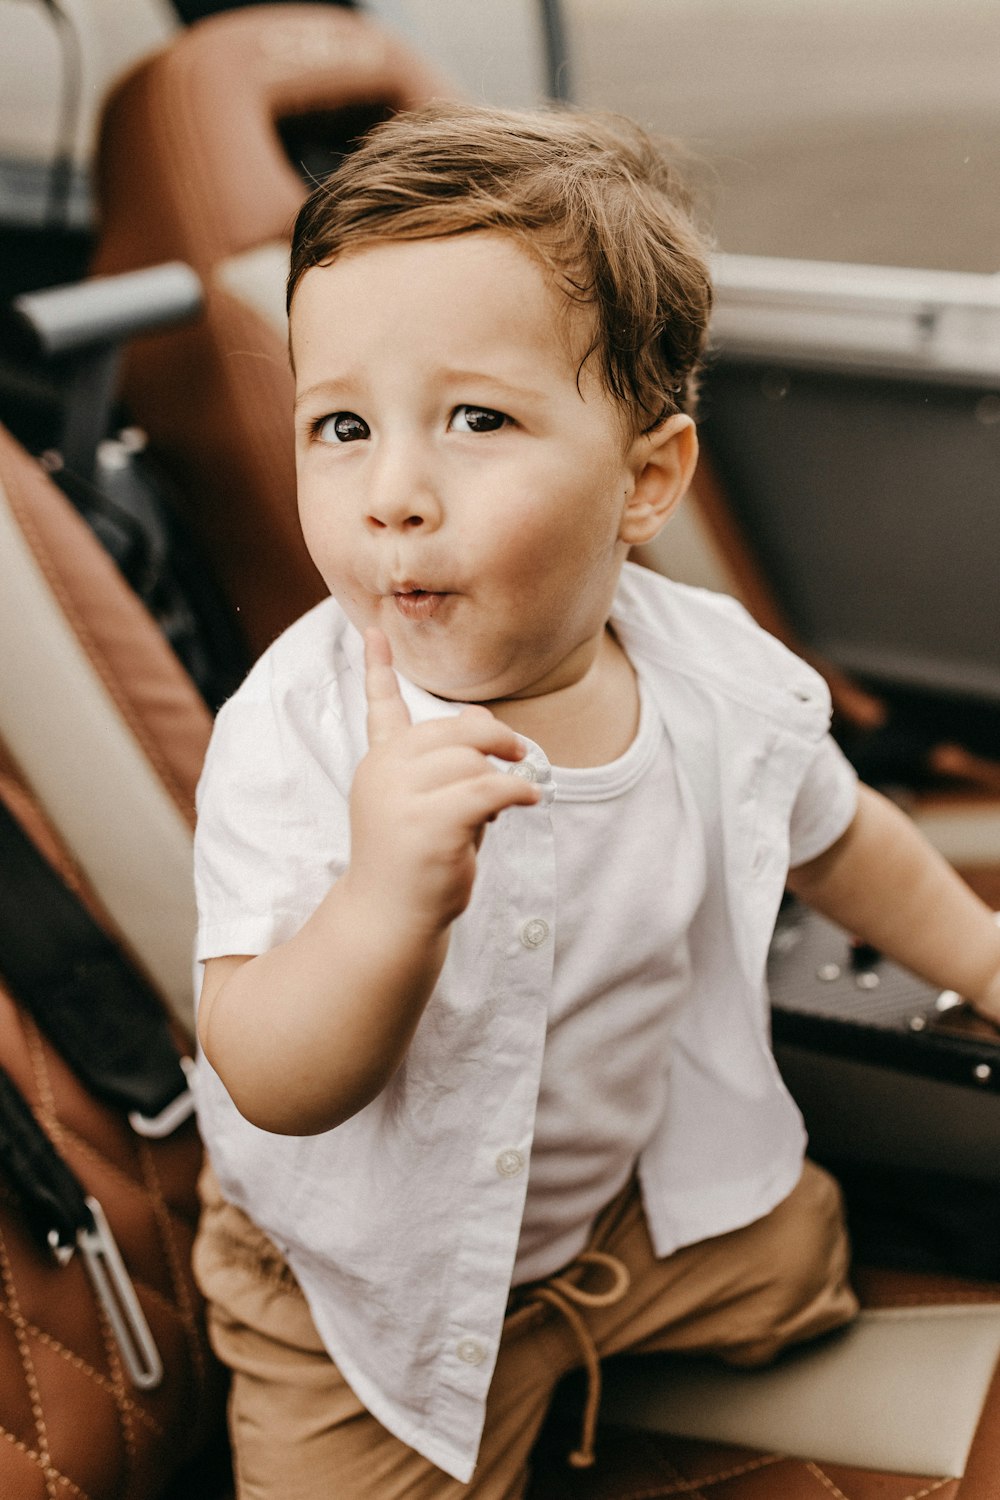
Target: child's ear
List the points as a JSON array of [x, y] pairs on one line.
[[662, 463]]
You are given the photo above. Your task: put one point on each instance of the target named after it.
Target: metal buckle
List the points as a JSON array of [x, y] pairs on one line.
[[155, 1127], [117, 1297]]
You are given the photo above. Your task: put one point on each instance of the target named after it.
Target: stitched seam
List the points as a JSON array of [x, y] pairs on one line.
[[13, 1310], [94, 1153], [119, 1394], [693, 1486], [60, 1134], [85, 1368], [182, 1293], [35, 1458], [826, 1481], [838, 1493], [125, 1183]]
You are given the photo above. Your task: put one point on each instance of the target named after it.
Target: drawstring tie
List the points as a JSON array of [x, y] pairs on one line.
[[565, 1296]]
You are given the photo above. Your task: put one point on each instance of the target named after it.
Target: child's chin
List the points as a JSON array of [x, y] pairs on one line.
[[454, 686]]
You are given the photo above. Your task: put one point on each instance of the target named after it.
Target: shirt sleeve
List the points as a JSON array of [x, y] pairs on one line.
[[272, 833], [826, 803]]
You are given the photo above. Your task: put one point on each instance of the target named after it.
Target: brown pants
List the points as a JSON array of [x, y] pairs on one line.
[[300, 1433]]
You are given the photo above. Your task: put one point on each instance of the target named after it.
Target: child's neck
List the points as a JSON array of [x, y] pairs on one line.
[[588, 723]]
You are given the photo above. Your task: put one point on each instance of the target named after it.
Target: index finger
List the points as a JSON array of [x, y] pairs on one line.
[[387, 713]]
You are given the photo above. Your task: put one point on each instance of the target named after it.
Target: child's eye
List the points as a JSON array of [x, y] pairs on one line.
[[477, 419], [342, 427]]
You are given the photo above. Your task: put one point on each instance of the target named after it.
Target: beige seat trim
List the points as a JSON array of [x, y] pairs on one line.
[[91, 776], [257, 278], [901, 1391]]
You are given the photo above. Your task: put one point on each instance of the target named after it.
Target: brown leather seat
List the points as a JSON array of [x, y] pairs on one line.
[[191, 166], [102, 736], [642, 1463]]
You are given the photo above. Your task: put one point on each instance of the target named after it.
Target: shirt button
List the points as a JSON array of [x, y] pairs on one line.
[[509, 1163], [524, 770], [534, 933], [470, 1351]]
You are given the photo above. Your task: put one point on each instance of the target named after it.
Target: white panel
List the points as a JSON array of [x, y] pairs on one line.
[[90, 775], [901, 1390], [257, 279]]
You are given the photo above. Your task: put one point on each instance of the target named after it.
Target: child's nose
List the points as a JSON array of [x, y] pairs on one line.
[[402, 496]]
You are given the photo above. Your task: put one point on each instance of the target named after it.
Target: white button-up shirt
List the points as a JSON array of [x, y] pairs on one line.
[[402, 1224]]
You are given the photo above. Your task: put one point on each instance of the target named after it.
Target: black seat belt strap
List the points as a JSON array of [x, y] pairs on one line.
[[95, 1007], [64, 1219]]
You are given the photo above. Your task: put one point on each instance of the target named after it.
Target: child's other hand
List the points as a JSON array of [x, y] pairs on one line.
[[421, 800]]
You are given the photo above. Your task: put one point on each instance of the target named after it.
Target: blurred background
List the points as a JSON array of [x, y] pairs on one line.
[[858, 130], [847, 154]]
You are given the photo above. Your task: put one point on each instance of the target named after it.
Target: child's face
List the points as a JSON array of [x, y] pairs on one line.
[[456, 486]]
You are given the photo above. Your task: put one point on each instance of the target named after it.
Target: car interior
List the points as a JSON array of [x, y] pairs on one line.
[[150, 552]]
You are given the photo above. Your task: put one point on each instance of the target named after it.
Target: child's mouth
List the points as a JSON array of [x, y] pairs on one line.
[[418, 604]]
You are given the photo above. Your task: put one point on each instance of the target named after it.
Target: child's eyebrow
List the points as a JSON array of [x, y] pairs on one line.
[[326, 389], [521, 390]]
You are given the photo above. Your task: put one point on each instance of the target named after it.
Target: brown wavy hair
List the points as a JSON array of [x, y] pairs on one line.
[[593, 196]]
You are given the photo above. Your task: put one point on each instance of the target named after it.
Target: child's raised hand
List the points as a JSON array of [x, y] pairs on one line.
[[421, 800]]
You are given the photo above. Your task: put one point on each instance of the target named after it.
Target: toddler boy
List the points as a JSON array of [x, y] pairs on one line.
[[490, 1092]]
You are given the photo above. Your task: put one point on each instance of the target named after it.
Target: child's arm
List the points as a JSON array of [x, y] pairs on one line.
[[884, 883], [307, 1034]]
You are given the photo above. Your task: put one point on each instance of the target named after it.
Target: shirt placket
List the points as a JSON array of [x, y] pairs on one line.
[[521, 870]]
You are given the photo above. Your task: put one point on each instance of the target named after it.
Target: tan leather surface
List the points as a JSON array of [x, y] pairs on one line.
[[195, 123], [190, 166], [67, 1411], [871, 1398], [635, 1465], [981, 1480], [647, 1466], [879, 1286], [71, 1421]]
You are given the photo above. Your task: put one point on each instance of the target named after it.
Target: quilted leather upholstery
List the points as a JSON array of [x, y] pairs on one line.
[[72, 1424], [646, 1466], [635, 1465]]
